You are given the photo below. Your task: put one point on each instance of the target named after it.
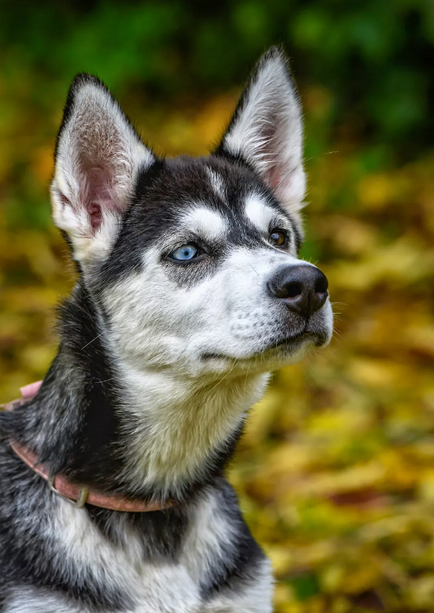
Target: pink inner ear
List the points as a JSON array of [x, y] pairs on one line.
[[274, 177], [95, 215], [279, 180], [100, 195]]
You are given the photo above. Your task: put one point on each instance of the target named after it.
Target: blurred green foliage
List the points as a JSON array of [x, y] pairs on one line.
[[336, 470], [374, 58]]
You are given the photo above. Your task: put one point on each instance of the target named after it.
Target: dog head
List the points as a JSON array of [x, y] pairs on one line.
[[193, 263]]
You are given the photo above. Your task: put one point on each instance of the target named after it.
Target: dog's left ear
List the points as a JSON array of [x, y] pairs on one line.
[[266, 130], [98, 155]]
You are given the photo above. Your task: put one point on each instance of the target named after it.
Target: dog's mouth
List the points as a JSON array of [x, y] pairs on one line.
[[319, 339], [291, 342]]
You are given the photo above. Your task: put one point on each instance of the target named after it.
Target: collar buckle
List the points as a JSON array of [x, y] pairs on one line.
[[81, 499]]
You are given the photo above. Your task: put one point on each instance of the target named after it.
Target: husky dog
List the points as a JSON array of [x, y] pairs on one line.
[[189, 292]]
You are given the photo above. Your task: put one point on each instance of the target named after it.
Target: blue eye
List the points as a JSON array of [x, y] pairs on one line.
[[184, 253]]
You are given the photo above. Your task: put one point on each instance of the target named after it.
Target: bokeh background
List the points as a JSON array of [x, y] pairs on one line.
[[336, 470]]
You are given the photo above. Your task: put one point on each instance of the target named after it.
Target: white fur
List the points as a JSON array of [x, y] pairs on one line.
[[201, 220], [38, 600], [183, 425], [268, 132], [259, 213], [208, 538], [217, 183]]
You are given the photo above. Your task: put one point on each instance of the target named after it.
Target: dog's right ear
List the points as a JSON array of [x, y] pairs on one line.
[[266, 130], [98, 154]]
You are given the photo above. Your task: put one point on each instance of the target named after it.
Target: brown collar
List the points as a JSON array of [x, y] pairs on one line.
[[76, 494]]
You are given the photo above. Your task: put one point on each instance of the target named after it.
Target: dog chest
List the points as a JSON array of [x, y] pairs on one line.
[[185, 581]]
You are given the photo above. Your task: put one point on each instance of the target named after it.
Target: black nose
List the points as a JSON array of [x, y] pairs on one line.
[[303, 288]]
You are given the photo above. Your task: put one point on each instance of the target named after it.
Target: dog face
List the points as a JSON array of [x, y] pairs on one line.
[[193, 262]]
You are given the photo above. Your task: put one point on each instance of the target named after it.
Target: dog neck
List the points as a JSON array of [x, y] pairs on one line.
[[182, 432], [141, 434]]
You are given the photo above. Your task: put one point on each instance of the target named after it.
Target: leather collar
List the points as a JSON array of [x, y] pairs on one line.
[[78, 495]]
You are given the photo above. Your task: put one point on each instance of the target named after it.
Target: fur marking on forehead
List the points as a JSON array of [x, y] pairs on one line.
[[205, 222], [259, 213], [217, 183]]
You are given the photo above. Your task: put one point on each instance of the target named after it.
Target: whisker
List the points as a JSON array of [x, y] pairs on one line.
[[90, 342]]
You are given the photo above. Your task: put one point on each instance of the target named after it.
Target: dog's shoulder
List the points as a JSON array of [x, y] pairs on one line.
[[199, 555]]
